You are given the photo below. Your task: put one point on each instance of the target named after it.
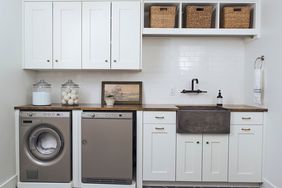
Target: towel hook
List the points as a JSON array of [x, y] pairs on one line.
[[259, 61]]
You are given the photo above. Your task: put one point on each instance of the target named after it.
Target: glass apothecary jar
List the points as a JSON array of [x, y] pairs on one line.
[[41, 93], [70, 93]]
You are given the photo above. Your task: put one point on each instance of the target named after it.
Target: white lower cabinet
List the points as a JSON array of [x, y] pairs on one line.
[[202, 157], [245, 154], [159, 152], [215, 158], [189, 157], [234, 158]]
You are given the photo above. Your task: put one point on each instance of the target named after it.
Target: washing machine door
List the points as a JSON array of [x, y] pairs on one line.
[[45, 143]]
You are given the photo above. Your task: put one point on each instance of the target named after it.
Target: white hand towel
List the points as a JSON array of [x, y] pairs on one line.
[[258, 86]]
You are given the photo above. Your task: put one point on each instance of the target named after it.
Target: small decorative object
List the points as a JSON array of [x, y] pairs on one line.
[[70, 93], [110, 100], [219, 99], [41, 93], [123, 92]]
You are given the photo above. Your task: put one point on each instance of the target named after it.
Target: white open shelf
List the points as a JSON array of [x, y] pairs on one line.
[[216, 30]]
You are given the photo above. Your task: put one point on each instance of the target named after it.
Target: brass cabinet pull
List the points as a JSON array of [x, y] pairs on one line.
[[246, 129], [160, 128], [246, 118]]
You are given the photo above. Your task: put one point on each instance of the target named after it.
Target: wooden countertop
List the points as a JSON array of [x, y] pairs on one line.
[[144, 107], [94, 107], [244, 108]]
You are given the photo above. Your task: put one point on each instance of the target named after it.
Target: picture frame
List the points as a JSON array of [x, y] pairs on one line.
[[124, 92]]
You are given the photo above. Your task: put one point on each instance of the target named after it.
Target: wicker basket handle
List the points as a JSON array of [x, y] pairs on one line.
[[237, 9], [200, 9], [163, 8]]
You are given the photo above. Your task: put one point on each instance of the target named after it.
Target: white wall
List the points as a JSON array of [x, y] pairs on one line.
[[171, 63], [269, 45], [13, 81]]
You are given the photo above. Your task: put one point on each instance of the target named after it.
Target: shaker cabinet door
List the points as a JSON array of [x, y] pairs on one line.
[[159, 152], [96, 35], [245, 153], [126, 35], [215, 158], [67, 35], [38, 35], [189, 157]]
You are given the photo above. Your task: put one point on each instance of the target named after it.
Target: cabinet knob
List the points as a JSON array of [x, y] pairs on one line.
[[48, 60], [207, 142], [56, 61], [198, 142], [106, 61], [84, 142], [115, 61]]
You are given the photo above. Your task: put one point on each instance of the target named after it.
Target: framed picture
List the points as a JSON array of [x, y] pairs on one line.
[[123, 92]]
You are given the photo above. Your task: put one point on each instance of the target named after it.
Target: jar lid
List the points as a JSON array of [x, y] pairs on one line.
[[42, 84], [70, 83]]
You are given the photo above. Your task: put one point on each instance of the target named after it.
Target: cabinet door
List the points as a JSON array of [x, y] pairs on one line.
[[245, 153], [126, 35], [67, 35], [189, 157], [215, 158], [159, 152], [38, 35], [96, 39]]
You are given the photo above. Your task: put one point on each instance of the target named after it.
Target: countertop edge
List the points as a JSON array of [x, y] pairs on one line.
[[169, 107]]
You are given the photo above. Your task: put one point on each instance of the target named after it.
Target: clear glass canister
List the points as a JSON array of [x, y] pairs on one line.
[[70, 93], [41, 94]]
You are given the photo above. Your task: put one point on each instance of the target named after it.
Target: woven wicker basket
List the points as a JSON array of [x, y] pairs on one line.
[[236, 17], [199, 16], [162, 16]]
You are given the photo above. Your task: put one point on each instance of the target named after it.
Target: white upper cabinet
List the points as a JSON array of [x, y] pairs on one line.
[[245, 154], [96, 35], [38, 35], [215, 158], [189, 157], [126, 31], [67, 35], [82, 35]]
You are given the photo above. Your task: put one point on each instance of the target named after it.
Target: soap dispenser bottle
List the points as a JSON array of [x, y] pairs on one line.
[[219, 99]]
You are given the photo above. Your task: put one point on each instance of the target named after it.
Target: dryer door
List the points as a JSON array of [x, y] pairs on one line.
[[45, 143]]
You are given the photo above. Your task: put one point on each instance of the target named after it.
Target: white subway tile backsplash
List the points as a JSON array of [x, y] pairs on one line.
[[171, 62]]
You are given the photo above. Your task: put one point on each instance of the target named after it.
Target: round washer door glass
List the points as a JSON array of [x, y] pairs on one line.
[[45, 143]]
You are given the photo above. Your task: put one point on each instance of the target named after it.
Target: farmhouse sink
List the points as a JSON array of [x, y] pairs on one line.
[[203, 120]]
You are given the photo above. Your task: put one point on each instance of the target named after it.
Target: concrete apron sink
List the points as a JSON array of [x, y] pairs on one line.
[[203, 120]]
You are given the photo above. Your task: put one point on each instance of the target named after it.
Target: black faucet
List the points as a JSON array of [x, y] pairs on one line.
[[194, 80], [193, 88]]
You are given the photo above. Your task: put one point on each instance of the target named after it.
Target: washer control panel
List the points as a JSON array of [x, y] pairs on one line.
[[33, 114]]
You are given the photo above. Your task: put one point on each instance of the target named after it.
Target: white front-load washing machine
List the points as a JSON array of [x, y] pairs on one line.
[[45, 147]]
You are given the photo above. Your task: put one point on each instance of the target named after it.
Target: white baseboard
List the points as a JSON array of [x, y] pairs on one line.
[[268, 184], [10, 183]]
